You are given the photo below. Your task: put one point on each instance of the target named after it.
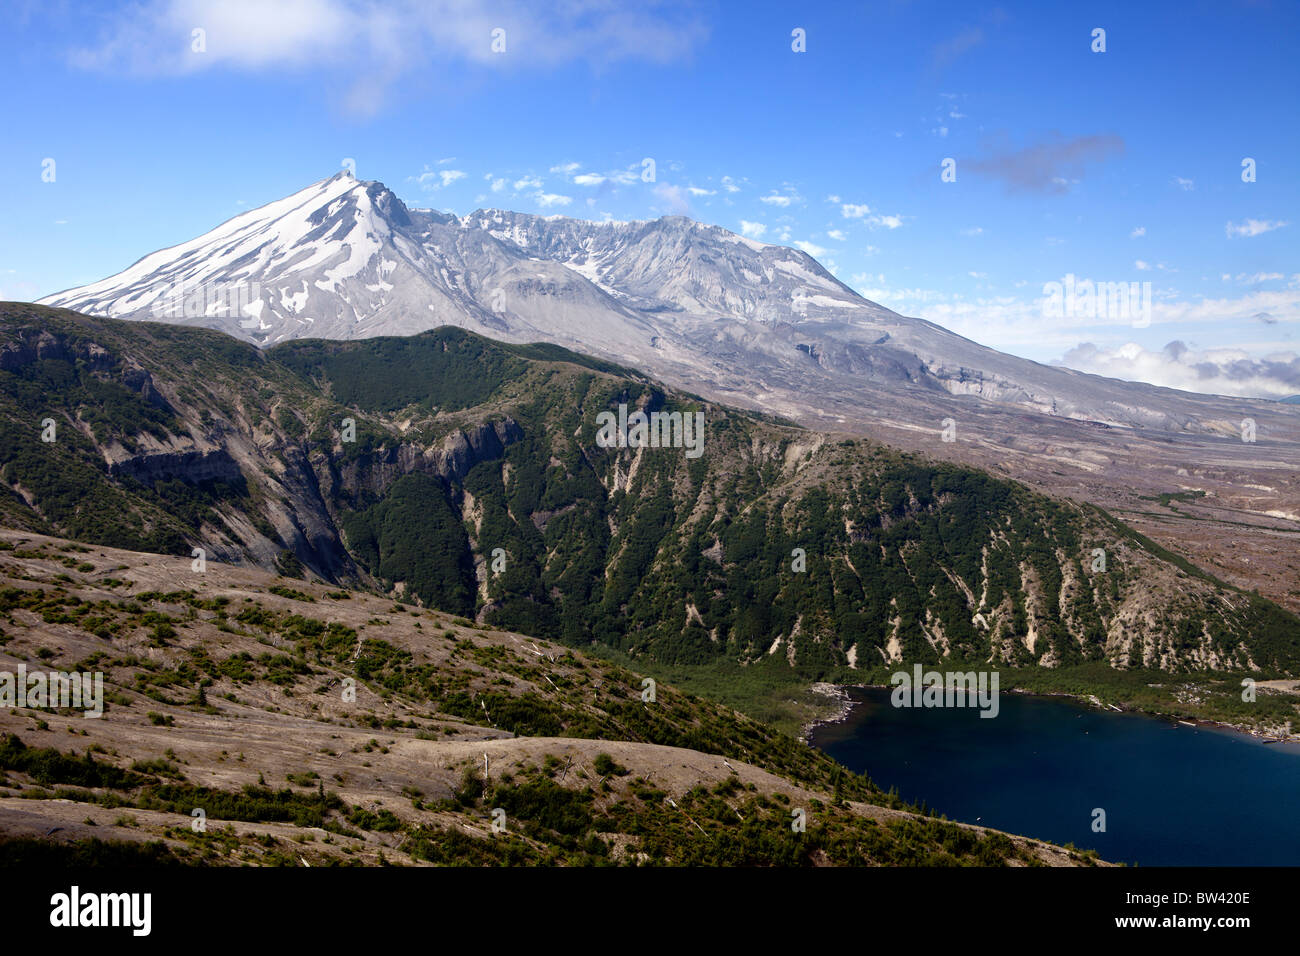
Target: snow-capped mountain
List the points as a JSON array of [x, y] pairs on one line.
[[749, 324], [696, 305], [346, 259]]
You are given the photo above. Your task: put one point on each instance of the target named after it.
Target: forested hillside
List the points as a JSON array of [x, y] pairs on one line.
[[462, 474]]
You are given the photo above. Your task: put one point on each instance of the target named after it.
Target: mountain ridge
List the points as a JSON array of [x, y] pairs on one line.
[[669, 265], [750, 325], [467, 451]]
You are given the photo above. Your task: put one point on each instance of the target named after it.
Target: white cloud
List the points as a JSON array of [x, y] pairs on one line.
[[700, 191], [1258, 277], [675, 197], [860, 279], [438, 178], [528, 182], [973, 231], [1141, 266], [588, 179], [1253, 227], [379, 43], [863, 211], [566, 169], [810, 248], [1019, 323], [837, 234], [776, 200], [498, 183], [547, 200], [1223, 371], [754, 230], [1186, 185], [1137, 232], [729, 185]]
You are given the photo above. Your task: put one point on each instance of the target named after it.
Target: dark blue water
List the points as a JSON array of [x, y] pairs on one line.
[[1174, 795]]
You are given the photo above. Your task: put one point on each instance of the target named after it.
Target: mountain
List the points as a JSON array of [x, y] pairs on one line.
[[345, 259], [477, 483], [749, 324]]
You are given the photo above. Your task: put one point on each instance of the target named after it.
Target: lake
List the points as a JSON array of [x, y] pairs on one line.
[[1173, 795]]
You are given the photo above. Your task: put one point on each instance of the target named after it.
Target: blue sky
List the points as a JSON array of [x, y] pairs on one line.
[[1115, 166]]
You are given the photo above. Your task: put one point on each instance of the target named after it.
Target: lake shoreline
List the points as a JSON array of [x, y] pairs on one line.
[[844, 705]]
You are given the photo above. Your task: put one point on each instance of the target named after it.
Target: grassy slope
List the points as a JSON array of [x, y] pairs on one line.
[[225, 693]]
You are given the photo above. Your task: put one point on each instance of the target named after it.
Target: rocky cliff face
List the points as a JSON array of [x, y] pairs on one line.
[[192, 467], [475, 483], [256, 492]]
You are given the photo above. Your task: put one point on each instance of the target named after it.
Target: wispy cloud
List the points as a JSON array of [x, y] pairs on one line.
[[948, 51], [1051, 166], [675, 198], [378, 44], [863, 211], [754, 230], [1253, 227], [432, 179]]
